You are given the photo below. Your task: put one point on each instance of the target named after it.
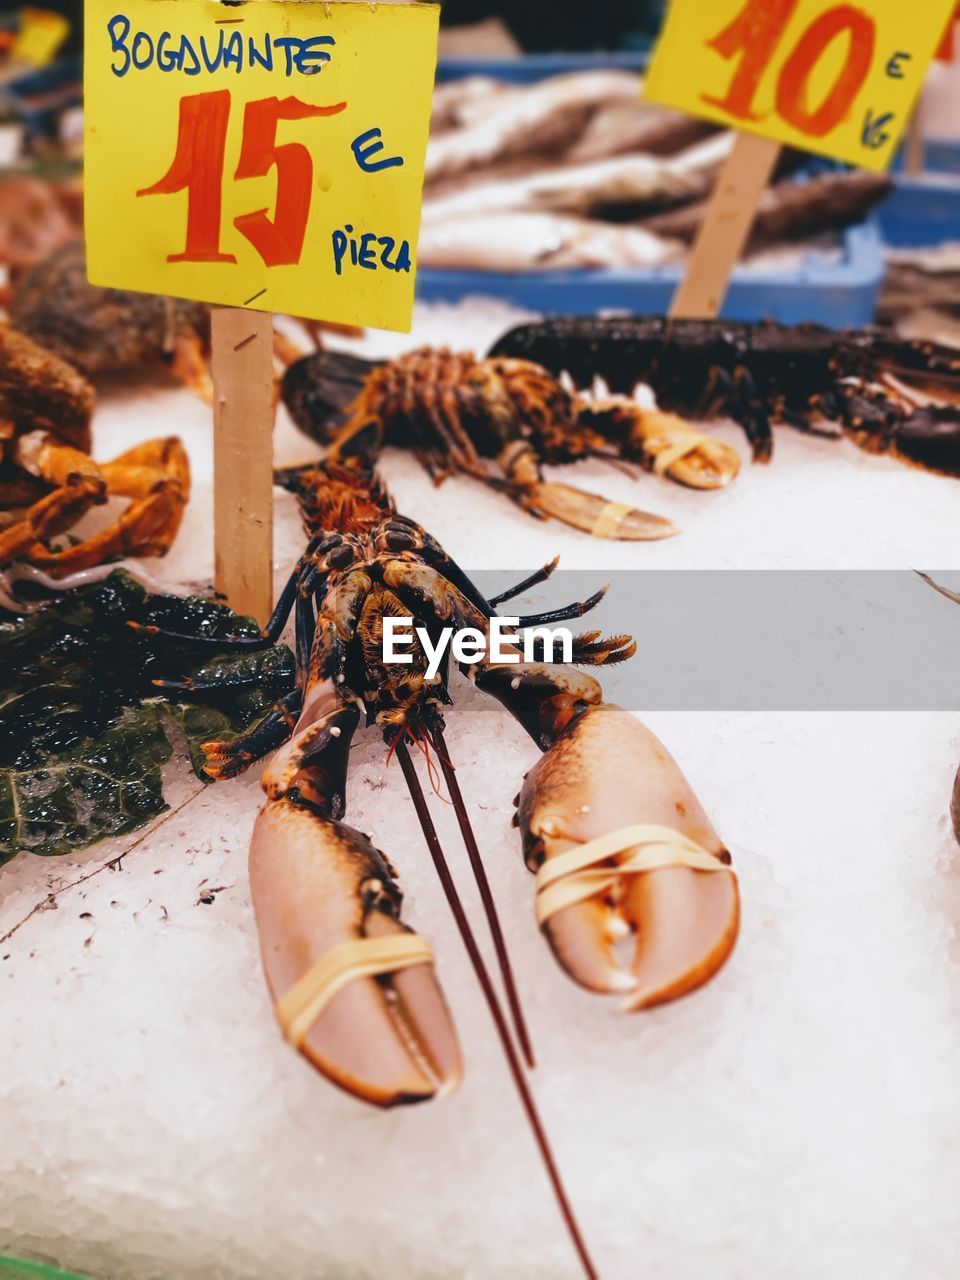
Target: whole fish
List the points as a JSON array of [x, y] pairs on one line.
[[626, 184], [622, 127], [792, 209], [515, 242], [921, 292], [537, 120], [450, 99]]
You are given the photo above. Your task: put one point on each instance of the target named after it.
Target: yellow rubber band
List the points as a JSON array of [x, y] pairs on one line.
[[575, 875], [299, 1008], [610, 519], [677, 452]]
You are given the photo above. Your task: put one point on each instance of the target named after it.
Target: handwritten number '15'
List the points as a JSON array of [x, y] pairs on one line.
[[198, 166], [755, 34]]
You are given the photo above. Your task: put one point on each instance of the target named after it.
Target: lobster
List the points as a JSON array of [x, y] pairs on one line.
[[885, 393], [498, 421], [611, 828]]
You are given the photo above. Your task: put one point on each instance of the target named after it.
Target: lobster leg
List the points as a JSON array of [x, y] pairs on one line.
[[535, 579], [564, 614], [229, 757], [189, 364], [269, 635]]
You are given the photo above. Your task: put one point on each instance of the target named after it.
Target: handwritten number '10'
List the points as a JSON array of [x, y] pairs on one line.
[[754, 35], [198, 167]]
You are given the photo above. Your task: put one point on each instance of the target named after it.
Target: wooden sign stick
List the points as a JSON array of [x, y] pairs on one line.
[[726, 227], [915, 143], [243, 414]]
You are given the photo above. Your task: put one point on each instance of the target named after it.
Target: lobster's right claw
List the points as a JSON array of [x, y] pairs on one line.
[[662, 874], [674, 448], [355, 989]]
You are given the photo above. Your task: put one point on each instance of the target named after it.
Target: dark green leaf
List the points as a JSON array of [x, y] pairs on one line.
[[82, 723]]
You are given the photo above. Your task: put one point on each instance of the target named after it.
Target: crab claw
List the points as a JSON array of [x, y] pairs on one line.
[[607, 773], [383, 1034]]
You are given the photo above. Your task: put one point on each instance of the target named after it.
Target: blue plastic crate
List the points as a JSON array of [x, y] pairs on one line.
[[942, 156], [538, 66], [921, 211], [841, 293], [838, 294]]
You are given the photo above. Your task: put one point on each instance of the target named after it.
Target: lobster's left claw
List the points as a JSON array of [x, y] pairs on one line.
[[588, 512], [623, 846], [596, 515]]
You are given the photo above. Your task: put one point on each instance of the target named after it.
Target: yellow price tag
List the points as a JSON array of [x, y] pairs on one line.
[[267, 155], [40, 36], [838, 79]]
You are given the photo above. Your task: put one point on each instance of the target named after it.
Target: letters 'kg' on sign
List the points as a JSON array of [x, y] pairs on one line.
[[837, 79], [265, 155]]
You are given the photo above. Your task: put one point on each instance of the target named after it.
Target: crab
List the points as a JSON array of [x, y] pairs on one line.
[[100, 331], [48, 479], [107, 330]]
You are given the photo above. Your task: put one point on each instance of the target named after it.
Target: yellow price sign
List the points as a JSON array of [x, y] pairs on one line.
[[266, 155], [838, 79], [40, 37]]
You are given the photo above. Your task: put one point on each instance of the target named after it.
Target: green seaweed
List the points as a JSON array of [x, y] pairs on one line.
[[85, 732]]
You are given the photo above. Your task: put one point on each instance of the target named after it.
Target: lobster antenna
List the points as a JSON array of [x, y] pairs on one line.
[[489, 906], [486, 986]]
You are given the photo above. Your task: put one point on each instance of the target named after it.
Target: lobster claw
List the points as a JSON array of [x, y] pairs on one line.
[[931, 436], [609, 808], [354, 988], [588, 512], [319, 389]]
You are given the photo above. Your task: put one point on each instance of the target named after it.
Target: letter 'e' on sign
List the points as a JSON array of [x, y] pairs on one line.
[[835, 78], [266, 155]]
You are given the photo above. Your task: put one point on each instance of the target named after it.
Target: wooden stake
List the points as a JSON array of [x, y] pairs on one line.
[[726, 227], [243, 413], [915, 144]]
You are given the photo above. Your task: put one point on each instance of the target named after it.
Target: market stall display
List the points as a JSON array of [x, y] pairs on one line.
[[153, 1122]]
